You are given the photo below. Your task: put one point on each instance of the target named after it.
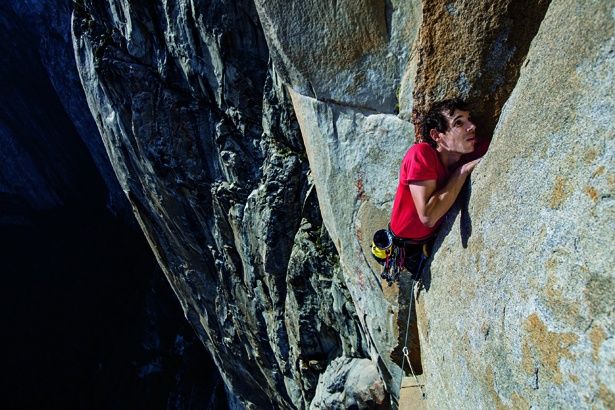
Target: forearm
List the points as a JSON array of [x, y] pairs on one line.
[[442, 200]]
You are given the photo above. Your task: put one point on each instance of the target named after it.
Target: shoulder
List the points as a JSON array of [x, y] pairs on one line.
[[424, 148], [420, 150], [420, 163]]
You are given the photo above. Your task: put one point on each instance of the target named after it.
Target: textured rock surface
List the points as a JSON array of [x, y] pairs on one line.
[[523, 316], [204, 141], [202, 133], [354, 154], [89, 320], [347, 52], [473, 50]]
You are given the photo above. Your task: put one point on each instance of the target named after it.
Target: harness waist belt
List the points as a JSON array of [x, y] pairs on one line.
[[407, 242]]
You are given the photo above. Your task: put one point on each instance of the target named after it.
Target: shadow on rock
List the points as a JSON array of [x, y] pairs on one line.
[[461, 206]]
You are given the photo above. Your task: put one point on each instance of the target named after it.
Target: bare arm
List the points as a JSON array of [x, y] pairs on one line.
[[431, 205]]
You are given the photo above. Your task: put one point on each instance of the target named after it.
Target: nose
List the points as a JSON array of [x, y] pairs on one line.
[[471, 126]]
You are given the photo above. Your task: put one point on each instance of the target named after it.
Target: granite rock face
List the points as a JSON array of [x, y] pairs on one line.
[[529, 264], [346, 52], [204, 140], [473, 50], [354, 152], [259, 145]]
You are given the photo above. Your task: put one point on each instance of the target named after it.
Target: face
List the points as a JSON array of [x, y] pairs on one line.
[[461, 135]]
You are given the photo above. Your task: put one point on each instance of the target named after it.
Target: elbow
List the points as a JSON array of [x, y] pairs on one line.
[[428, 221]]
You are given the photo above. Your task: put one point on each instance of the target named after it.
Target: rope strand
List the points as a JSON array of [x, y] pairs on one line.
[[405, 348]]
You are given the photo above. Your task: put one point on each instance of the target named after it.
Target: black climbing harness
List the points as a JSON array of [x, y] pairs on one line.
[[396, 254]]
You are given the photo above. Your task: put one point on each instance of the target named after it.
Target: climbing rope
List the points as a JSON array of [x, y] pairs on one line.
[[405, 348]]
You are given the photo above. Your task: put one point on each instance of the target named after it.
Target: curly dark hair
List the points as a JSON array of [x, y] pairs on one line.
[[435, 118]]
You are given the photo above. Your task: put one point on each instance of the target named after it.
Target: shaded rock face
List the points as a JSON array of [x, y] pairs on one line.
[[36, 133], [226, 190], [204, 141], [90, 321], [44, 121]]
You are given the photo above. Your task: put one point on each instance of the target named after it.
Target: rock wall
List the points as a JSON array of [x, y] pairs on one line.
[[528, 271], [472, 50], [47, 133], [43, 161], [228, 121], [205, 143], [87, 310]]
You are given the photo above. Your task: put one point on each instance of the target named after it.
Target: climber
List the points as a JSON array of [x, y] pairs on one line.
[[432, 174]]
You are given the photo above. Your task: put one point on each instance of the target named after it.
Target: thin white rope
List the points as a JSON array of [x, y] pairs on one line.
[[405, 348]]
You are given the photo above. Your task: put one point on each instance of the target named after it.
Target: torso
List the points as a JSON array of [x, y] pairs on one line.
[[420, 163]]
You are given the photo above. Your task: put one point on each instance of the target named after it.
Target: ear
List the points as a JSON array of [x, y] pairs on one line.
[[434, 134]]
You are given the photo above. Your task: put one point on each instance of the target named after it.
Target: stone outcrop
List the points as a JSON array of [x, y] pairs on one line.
[[227, 122], [350, 385]]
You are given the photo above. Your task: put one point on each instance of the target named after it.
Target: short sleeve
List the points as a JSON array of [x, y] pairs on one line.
[[420, 164]]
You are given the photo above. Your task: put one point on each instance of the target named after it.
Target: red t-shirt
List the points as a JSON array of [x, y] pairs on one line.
[[421, 163]]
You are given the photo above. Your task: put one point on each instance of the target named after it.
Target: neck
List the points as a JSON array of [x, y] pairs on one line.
[[449, 159]]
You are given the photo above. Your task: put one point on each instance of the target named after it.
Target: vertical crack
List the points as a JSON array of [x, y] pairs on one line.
[[482, 69]]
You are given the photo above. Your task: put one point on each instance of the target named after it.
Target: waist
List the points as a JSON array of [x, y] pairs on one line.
[[400, 241]]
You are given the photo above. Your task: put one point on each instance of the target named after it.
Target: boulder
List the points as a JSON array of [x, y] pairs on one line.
[[350, 384]]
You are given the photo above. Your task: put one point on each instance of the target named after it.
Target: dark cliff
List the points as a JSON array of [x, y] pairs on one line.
[[90, 321], [207, 148]]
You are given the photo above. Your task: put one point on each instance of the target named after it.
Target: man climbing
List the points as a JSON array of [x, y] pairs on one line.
[[432, 174]]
